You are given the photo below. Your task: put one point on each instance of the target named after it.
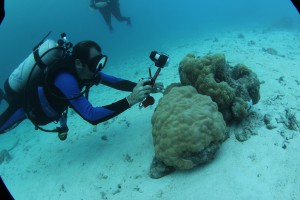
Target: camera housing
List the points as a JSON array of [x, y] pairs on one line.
[[160, 59]]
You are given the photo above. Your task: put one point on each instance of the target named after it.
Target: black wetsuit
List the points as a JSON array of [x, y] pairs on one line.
[[44, 107], [113, 8]]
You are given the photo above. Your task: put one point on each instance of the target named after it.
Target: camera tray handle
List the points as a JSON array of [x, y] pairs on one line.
[[149, 99], [153, 79]]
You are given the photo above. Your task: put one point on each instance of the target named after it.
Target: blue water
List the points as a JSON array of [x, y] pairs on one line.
[[153, 22]]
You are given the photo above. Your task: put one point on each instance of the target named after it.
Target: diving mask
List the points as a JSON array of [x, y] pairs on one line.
[[97, 63]]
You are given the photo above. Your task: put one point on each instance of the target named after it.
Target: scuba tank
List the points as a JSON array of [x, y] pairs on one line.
[[35, 67], [44, 54]]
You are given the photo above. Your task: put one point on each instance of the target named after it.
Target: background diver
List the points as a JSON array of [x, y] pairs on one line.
[[107, 8]]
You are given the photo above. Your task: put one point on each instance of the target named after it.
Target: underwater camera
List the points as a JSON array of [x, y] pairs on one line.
[[159, 59]]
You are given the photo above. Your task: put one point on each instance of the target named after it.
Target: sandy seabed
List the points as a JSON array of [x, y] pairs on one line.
[[112, 160]]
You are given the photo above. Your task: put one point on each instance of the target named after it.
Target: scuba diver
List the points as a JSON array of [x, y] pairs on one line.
[[67, 85], [107, 8]]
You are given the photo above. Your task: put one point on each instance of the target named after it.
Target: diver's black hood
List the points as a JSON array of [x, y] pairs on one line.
[[63, 65]]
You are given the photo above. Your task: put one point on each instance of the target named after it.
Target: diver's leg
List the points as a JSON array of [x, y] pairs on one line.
[[1, 95], [106, 13], [116, 12], [10, 118], [14, 113]]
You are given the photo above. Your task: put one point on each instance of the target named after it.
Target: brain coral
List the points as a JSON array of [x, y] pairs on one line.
[[186, 124], [232, 88]]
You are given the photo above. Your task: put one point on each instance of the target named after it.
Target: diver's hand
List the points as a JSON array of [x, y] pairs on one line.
[[139, 93], [92, 5], [158, 87], [101, 4]]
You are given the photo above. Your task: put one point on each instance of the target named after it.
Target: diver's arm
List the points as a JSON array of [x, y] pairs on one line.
[[117, 83], [82, 106], [96, 115]]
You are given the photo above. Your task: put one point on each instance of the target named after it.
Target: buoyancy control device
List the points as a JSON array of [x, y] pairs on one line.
[[34, 67]]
